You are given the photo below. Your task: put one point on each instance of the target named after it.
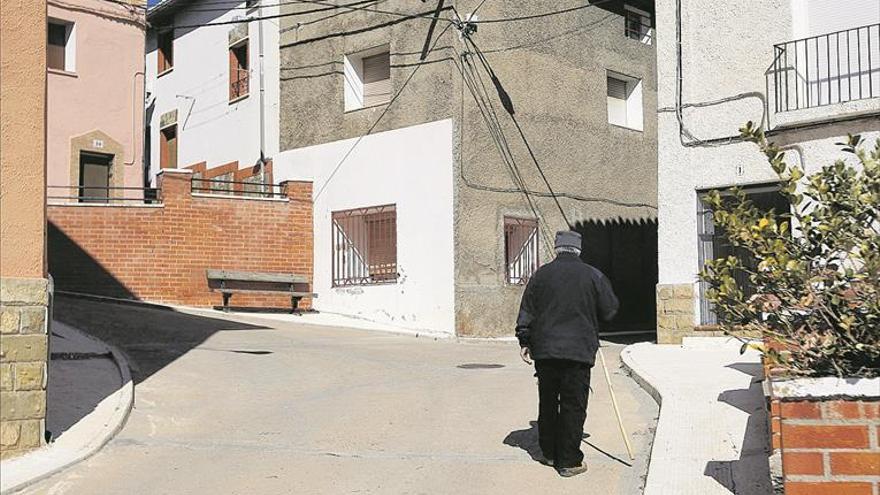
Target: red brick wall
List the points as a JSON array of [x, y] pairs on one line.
[[828, 447], [161, 253]]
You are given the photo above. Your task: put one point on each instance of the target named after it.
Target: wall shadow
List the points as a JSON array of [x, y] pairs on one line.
[[151, 337], [75, 270], [750, 474]]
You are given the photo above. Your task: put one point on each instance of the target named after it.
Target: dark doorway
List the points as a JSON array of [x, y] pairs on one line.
[[94, 177], [626, 252]]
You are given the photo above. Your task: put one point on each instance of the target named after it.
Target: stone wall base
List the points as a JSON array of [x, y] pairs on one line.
[[675, 312], [24, 352]]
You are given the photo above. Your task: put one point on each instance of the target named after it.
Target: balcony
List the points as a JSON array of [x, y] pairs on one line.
[[828, 69]]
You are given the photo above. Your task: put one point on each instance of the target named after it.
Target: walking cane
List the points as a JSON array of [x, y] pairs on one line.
[[629, 449]]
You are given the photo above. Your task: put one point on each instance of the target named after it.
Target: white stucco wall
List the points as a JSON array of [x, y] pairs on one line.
[[411, 167], [726, 49], [210, 128]]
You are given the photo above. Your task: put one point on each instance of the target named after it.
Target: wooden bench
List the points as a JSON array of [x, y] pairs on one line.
[[228, 282]]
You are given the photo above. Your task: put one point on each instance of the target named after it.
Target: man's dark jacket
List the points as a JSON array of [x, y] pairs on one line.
[[561, 308]]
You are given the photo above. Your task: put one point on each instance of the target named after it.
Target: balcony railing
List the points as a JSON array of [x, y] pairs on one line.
[[100, 194], [827, 69], [251, 187]]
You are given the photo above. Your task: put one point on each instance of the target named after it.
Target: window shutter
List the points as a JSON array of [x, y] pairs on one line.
[[377, 79], [616, 88]]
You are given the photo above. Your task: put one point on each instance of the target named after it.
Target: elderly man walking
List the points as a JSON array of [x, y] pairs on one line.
[[558, 328]]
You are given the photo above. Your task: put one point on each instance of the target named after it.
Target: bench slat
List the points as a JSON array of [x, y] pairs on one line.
[[239, 276], [269, 291]]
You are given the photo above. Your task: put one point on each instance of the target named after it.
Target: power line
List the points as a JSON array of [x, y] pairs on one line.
[[376, 122], [265, 5], [543, 14], [352, 7], [508, 105]]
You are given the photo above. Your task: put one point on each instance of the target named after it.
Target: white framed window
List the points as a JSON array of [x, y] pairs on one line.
[[367, 77], [61, 45], [638, 25], [624, 101]]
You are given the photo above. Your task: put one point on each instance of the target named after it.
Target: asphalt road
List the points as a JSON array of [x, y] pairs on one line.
[[244, 405]]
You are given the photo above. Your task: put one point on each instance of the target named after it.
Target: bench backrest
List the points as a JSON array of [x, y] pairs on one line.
[[288, 278]]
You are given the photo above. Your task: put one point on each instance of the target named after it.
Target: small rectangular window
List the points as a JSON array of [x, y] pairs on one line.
[[165, 51], [239, 74], [168, 147], [520, 249], [59, 46], [624, 101], [367, 78], [364, 250], [638, 25]]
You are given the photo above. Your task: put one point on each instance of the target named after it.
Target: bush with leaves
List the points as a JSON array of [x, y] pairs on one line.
[[814, 270]]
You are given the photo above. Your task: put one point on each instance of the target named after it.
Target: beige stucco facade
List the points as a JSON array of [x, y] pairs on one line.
[[95, 104], [23, 284]]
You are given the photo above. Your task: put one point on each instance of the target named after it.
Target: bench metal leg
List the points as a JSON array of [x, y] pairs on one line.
[[294, 305], [226, 296]]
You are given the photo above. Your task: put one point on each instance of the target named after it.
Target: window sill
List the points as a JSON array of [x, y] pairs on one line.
[[238, 98], [640, 131], [61, 72], [166, 71]]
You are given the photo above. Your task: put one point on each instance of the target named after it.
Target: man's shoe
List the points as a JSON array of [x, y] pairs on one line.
[[546, 461], [572, 471]]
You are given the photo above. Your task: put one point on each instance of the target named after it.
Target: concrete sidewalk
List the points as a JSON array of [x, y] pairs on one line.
[[89, 397], [712, 433]]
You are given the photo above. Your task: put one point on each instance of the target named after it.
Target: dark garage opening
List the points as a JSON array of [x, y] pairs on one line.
[[626, 252]]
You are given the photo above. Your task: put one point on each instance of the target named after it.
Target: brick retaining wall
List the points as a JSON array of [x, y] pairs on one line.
[[829, 447], [161, 252]]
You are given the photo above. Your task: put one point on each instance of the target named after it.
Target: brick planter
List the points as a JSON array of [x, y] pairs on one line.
[[828, 433]]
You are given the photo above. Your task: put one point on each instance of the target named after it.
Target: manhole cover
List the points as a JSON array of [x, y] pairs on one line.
[[479, 366]]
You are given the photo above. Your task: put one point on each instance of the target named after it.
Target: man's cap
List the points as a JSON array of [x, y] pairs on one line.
[[568, 238]]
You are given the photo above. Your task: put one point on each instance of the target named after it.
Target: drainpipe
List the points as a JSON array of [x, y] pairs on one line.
[[134, 111], [262, 97]]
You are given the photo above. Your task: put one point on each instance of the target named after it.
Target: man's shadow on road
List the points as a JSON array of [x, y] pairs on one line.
[[527, 440]]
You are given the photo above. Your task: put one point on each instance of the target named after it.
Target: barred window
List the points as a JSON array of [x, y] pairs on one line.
[[364, 246], [638, 25], [520, 249]]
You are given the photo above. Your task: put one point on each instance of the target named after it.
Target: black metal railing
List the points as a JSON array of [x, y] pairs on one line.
[[247, 188], [638, 26], [239, 84], [100, 194], [831, 68]]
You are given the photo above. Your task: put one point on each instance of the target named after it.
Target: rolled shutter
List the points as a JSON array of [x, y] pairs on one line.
[[377, 79]]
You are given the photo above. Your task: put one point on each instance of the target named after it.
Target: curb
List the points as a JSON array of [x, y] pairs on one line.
[[56, 457], [630, 366]]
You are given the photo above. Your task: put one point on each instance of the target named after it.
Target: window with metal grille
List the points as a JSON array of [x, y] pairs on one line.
[[638, 25], [364, 250], [239, 75], [520, 249], [713, 242]]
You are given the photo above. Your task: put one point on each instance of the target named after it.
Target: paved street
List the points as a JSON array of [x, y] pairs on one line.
[[244, 405]]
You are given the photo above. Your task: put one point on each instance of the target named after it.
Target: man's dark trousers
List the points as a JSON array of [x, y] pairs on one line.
[[563, 389]]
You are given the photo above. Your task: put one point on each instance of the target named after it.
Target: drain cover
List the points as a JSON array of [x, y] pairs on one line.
[[479, 366]]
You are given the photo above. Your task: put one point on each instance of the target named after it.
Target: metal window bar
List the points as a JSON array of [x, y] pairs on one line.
[[240, 83], [638, 26], [520, 249], [250, 187], [99, 194], [808, 74], [364, 246]]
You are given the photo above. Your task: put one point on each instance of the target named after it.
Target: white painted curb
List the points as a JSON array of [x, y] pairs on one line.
[[81, 441]]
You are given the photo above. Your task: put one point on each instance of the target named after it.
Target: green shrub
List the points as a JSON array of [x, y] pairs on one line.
[[814, 270]]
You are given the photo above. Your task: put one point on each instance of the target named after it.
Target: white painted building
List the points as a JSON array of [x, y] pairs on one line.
[[410, 169], [809, 70], [212, 84]]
